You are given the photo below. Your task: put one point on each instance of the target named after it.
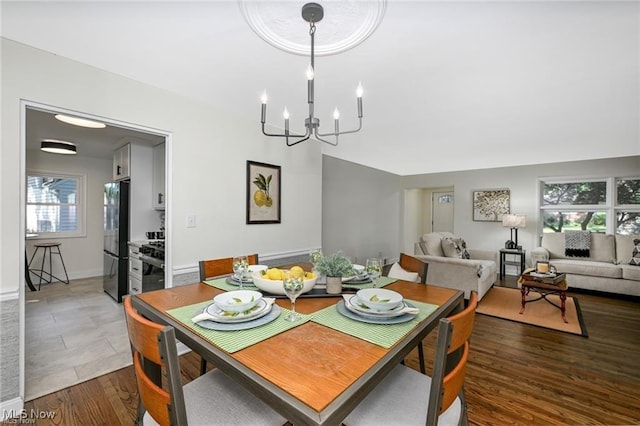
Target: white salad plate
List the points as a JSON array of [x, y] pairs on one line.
[[218, 315]]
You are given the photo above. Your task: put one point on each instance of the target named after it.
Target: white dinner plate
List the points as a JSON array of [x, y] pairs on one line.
[[260, 309], [357, 308], [233, 279], [272, 314], [342, 309]]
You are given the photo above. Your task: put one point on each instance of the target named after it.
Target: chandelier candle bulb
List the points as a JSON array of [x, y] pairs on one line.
[[263, 98], [359, 93], [285, 114]]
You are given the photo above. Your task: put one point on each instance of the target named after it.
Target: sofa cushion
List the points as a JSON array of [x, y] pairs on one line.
[[603, 247], [624, 248], [400, 273], [587, 267], [630, 273], [431, 244]]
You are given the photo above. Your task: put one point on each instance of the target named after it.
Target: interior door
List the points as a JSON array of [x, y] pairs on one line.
[[442, 211]]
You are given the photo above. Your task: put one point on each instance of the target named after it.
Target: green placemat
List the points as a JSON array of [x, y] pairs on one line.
[[233, 341], [385, 335], [222, 284], [382, 282]]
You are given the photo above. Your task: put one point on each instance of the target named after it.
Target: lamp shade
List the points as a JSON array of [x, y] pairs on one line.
[[514, 221], [57, 147]]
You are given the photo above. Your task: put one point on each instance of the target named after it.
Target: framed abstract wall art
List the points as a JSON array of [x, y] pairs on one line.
[[263, 193], [490, 205]]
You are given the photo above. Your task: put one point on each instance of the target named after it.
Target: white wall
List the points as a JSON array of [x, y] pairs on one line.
[[207, 157]]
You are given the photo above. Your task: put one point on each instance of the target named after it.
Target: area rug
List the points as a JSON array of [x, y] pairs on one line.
[[505, 303]]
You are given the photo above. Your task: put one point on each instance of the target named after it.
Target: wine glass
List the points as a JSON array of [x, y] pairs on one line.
[[292, 283], [374, 269], [240, 267], [314, 256]]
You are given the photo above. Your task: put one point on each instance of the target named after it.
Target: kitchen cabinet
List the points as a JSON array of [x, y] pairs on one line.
[[122, 163], [158, 190], [135, 270]]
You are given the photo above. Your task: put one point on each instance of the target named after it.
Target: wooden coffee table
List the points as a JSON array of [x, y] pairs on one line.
[[544, 287]]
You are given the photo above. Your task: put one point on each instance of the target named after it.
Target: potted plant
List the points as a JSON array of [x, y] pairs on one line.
[[334, 267]]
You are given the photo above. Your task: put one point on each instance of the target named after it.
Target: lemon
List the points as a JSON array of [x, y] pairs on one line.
[[274, 274], [297, 270], [269, 202], [309, 275], [260, 198]]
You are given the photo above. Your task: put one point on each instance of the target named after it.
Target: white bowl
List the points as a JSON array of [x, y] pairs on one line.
[[257, 268], [379, 299], [237, 300], [359, 269], [275, 286]]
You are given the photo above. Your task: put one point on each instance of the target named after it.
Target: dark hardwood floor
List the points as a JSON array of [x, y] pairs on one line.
[[517, 374]]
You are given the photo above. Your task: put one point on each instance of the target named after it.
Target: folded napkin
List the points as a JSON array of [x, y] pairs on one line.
[[406, 310], [207, 316]]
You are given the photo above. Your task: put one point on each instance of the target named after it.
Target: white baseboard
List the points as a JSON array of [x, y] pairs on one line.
[[11, 408]]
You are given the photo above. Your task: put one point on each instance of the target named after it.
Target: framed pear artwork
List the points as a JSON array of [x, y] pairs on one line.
[[263, 193]]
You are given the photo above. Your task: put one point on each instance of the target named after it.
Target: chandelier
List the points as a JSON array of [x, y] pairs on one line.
[[312, 13]]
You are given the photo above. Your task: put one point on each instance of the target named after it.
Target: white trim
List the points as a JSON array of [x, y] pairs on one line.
[[11, 295], [11, 408]]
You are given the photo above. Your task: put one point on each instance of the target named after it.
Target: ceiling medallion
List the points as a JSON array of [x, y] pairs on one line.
[[346, 24]]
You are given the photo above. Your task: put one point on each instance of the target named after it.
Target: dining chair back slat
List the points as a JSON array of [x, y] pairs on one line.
[[153, 347], [413, 264], [218, 267]]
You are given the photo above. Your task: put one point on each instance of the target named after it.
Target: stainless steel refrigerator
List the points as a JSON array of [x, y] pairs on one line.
[[116, 238]]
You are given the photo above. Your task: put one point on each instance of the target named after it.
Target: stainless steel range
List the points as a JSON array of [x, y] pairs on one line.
[[152, 257]]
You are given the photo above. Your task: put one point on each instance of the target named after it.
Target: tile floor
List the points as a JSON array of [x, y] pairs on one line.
[[73, 333]]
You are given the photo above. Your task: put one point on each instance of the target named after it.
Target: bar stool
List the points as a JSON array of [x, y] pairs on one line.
[[47, 247]]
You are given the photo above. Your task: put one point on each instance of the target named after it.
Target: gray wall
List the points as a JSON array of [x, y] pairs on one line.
[[360, 210], [364, 209]]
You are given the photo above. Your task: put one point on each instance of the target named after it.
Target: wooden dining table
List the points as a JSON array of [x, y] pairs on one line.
[[310, 374]]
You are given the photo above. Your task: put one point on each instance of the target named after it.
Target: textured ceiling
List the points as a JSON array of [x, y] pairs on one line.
[[449, 85]]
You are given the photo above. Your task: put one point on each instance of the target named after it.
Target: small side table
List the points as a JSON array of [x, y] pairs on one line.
[[545, 287], [516, 262]]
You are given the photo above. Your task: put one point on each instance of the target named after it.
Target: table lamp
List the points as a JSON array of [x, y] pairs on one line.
[[513, 221]]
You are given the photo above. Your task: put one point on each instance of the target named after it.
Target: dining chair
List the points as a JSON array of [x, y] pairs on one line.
[[215, 268], [420, 267], [406, 397], [224, 266], [211, 398]]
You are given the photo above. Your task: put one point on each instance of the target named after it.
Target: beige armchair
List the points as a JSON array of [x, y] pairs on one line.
[[476, 273]]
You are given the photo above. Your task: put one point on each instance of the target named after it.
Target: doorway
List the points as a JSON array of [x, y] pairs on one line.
[[442, 211], [426, 210], [92, 307]]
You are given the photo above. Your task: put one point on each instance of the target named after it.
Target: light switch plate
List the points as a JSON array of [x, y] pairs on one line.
[[191, 221]]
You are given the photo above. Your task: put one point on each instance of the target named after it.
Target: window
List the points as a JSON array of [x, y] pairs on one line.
[[54, 204], [607, 205]]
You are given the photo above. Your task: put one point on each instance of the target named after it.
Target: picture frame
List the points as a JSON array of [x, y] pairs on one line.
[[263, 193], [491, 205]]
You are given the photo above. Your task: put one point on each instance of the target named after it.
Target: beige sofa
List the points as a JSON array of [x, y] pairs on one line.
[[478, 273], [606, 269]]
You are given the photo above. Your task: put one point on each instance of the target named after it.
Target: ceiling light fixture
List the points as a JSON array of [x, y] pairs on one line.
[[58, 147], [82, 122], [312, 13]]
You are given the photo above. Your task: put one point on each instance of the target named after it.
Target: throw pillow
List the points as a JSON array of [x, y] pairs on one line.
[[462, 247], [455, 247], [449, 247], [635, 257], [400, 273]]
